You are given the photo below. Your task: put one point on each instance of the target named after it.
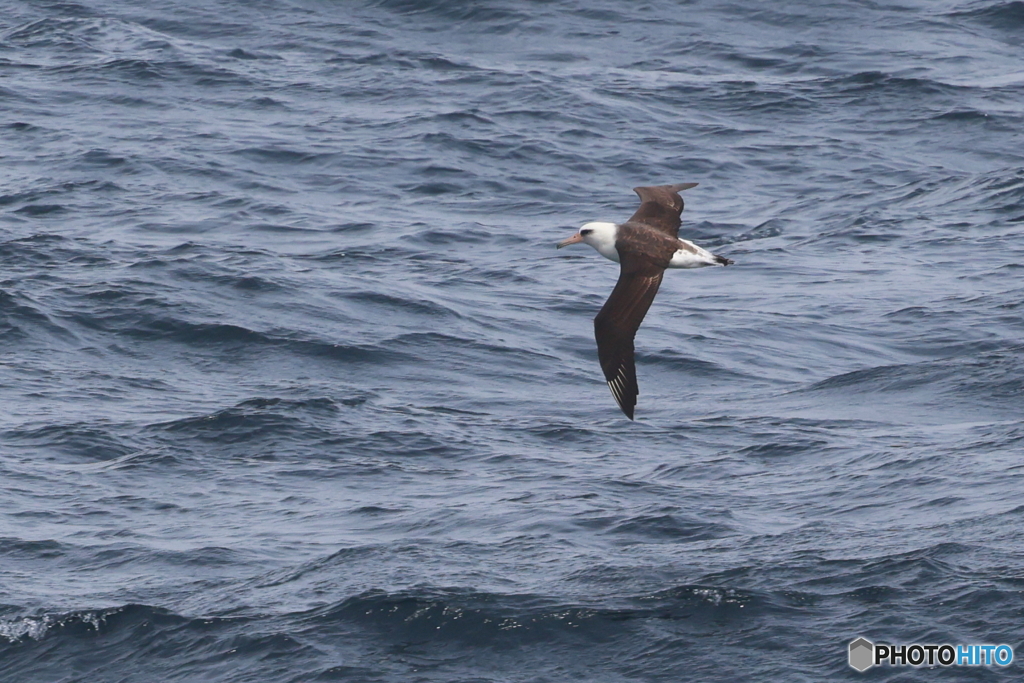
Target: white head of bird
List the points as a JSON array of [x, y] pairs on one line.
[[600, 236]]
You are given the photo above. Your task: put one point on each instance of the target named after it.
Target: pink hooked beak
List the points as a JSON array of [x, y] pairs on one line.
[[572, 240]]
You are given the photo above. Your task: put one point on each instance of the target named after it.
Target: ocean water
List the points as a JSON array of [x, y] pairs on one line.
[[295, 386]]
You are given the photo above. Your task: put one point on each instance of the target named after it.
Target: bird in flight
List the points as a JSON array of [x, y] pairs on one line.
[[644, 246]]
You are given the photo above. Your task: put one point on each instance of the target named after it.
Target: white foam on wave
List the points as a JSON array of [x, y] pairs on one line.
[[36, 627]]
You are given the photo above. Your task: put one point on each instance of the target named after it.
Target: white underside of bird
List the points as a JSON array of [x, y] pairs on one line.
[[602, 237]]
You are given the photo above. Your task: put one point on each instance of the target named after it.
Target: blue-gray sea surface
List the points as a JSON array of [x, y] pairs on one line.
[[295, 386]]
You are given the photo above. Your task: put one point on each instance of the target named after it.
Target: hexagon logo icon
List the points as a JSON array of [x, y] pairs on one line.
[[862, 654]]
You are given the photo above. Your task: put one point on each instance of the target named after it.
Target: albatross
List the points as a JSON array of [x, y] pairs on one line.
[[644, 246]]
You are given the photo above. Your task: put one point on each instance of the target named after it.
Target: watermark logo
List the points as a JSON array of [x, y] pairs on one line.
[[864, 654]]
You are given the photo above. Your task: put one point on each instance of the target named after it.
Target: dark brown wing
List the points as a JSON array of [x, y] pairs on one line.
[[617, 322], [660, 206]]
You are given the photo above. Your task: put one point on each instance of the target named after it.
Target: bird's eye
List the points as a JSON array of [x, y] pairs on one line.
[[586, 232]]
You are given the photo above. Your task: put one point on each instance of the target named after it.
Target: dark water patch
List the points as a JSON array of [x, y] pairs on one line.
[[324, 405], [282, 156], [413, 442], [873, 595], [1002, 190], [91, 642], [912, 570], [434, 189], [446, 341], [48, 33], [999, 603], [671, 527], [80, 440], [36, 210], [251, 283], [73, 9], [135, 71], [265, 103], [279, 227], [321, 565], [254, 420], [438, 237], [484, 13], [17, 549], [885, 378], [443, 65], [766, 230], [102, 158], [440, 171], [865, 230], [206, 75], [117, 556], [944, 501], [446, 142], [498, 276], [674, 360], [398, 59], [204, 560], [998, 375], [962, 115], [913, 314], [1005, 16], [877, 81], [348, 353], [381, 301], [501, 622], [151, 326], [468, 618], [67, 188], [17, 312], [208, 27], [353, 227], [373, 510], [8, 94], [239, 53], [446, 410], [775, 450], [600, 15]]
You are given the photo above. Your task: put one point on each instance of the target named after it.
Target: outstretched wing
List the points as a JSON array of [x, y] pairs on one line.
[[617, 322], [660, 206]]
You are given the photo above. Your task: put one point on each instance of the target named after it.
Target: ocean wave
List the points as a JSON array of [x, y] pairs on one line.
[[990, 376], [83, 623], [77, 440], [484, 13], [773, 450], [151, 326], [1006, 16], [886, 378], [463, 617], [296, 387], [693, 367], [21, 318], [258, 419], [504, 621]]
